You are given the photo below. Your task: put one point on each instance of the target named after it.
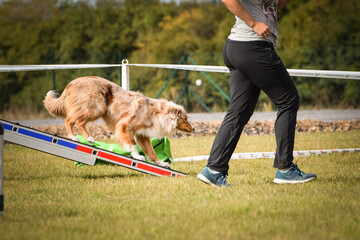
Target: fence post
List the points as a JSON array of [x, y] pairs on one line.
[[1, 170], [125, 74]]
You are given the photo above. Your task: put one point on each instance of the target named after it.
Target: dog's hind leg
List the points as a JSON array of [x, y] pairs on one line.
[[145, 144], [69, 123], [127, 141]]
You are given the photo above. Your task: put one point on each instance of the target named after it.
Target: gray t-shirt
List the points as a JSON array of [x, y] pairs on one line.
[[263, 11]]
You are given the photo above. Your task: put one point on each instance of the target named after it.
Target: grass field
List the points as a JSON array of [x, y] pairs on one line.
[[47, 197]]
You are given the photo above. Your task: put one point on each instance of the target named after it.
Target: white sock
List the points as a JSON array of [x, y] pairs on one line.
[[284, 170], [213, 171]]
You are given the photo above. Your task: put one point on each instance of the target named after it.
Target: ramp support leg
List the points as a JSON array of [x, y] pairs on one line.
[[1, 170]]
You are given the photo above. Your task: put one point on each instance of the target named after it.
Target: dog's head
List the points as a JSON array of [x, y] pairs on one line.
[[181, 117]]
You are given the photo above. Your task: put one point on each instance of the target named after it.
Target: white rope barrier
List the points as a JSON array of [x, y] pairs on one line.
[[18, 68], [269, 154], [292, 72], [324, 74], [203, 68]]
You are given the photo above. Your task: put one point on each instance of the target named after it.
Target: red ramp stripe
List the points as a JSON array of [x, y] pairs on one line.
[[115, 158], [84, 149], [153, 169]]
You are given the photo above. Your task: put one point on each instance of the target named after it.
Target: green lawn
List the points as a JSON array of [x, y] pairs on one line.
[[47, 197]]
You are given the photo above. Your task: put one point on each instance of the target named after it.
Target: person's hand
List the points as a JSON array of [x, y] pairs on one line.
[[262, 29]]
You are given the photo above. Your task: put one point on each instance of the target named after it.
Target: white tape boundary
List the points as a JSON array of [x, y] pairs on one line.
[[202, 68], [256, 155]]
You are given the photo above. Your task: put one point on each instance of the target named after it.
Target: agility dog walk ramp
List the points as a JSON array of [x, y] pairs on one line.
[[75, 151]]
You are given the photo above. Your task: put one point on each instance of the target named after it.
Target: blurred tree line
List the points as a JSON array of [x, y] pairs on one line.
[[314, 34]]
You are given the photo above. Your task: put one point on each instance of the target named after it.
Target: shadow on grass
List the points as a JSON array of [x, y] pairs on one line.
[[82, 176], [104, 176]]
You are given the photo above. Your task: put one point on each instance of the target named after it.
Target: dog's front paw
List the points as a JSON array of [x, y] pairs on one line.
[[90, 139], [74, 138], [139, 157], [163, 164]]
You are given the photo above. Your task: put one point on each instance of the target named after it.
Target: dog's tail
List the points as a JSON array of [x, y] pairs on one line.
[[54, 105]]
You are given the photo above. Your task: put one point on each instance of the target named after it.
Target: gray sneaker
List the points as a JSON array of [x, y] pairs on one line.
[[293, 175], [214, 179]]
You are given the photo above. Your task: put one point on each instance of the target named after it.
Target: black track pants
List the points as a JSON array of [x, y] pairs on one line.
[[255, 66]]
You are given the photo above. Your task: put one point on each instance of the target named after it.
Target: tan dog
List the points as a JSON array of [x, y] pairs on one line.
[[128, 114]]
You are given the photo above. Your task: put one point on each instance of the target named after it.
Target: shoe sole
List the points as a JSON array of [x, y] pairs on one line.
[[204, 179], [280, 181]]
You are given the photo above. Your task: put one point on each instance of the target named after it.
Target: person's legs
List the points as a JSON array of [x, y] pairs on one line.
[[265, 69], [254, 66]]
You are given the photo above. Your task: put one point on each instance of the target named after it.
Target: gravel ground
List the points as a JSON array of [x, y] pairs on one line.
[[320, 115]]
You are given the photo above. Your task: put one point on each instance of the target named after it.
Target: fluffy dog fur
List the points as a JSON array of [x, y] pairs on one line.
[[128, 114]]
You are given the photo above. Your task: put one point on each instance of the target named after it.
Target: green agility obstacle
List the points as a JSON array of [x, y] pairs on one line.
[[161, 148]]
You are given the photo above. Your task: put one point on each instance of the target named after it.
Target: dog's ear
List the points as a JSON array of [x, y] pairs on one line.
[[176, 111], [171, 113]]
